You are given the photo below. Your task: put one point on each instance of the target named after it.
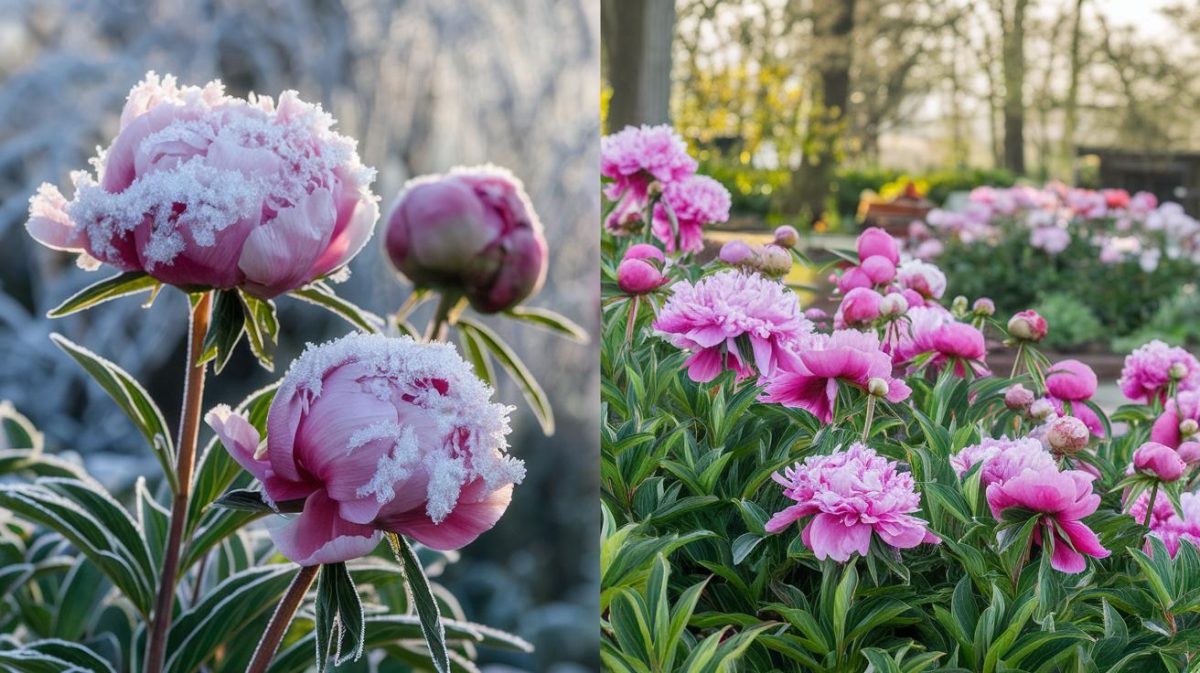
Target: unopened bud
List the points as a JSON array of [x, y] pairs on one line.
[[786, 236], [654, 189], [893, 305], [1188, 427], [775, 261], [1041, 409], [984, 307], [1068, 435], [877, 387], [1019, 398], [1177, 371], [1027, 326], [959, 305]]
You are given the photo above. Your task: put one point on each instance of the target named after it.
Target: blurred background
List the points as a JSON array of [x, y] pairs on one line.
[[423, 85]]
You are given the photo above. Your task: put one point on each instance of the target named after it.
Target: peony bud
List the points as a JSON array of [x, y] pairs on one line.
[[736, 253], [775, 261], [1067, 435], [875, 241], [879, 269], [376, 434], [1188, 427], [893, 305], [1018, 397], [1027, 326], [786, 236], [472, 231], [645, 251], [1177, 371], [959, 305], [877, 387], [984, 307], [1189, 452], [1159, 460], [860, 305], [1042, 409], [637, 276]]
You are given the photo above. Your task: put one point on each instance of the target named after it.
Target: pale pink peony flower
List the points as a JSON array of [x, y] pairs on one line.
[[1166, 524], [1067, 435], [1159, 461], [636, 156], [1018, 397], [921, 277], [851, 495], [1061, 500], [203, 190], [696, 201], [1147, 371], [377, 434], [732, 319], [929, 250], [1051, 239], [736, 253], [1002, 459], [473, 231], [1178, 410], [810, 380]]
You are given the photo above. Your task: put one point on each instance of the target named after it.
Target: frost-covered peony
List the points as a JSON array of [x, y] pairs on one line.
[[372, 434], [638, 155], [922, 277], [810, 381], [1061, 500], [696, 201], [203, 190], [851, 495], [1002, 458], [732, 319], [1147, 371]]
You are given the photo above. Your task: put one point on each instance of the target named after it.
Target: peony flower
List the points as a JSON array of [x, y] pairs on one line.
[[810, 380], [1027, 326], [860, 305], [1147, 371], [922, 277], [1190, 452], [637, 276], [735, 253], [1181, 410], [879, 269], [1159, 461], [1052, 239], [732, 319], [1061, 500], [696, 201], [472, 231], [1166, 524], [875, 241], [1071, 380], [929, 250], [984, 307], [203, 190], [636, 156], [1002, 459], [852, 278], [934, 330], [786, 236], [851, 495], [893, 305], [376, 434]]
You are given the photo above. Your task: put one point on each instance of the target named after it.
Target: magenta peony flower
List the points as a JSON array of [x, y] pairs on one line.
[[1147, 371], [1027, 326], [851, 495], [810, 380], [1071, 380], [696, 201], [645, 251], [732, 319], [377, 434], [1178, 411], [879, 269], [1061, 500], [1159, 461], [853, 278], [860, 305], [203, 190], [1002, 459], [641, 269], [472, 231], [1166, 524], [636, 156], [875, 241], [934, 330], [922, 277]]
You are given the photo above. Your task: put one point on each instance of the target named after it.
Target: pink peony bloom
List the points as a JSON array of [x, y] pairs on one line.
[[934, 330], [1147, 371], [1028, 325], [1052, 239], [696, 201], [851, 495], [1071, 380], [929, 250], [1002, 459], [1018, 397], [1166, 524], [1190, 452], [1061, 500], [879, 269], [875, 241], [1067, 435], [921, 277], [637, 276], [200, 189], [810, 381], [1159, 461], [473, 231], [1180, 409], [852, 278], [636, 156], [645, 251], [736, 253], [860, 305], [374, 434], [732, 319]]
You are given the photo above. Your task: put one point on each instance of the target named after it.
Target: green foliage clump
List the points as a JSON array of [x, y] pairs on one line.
[[1074, 323]]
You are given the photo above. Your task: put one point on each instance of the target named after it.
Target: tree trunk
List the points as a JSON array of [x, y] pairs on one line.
[[1071, 105], [1014, 85], [637, 39], [833, 28]]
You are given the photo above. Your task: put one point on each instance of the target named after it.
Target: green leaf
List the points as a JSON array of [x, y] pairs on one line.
[[18, 431], [422, 599], [262, 328], [323, 295], [244, 499], [547, 319], [132, 398], [473, 350], [120, 285], [76, 656], [339, 616], [224, 331], [843, 598], [82, 590], [538, 402]]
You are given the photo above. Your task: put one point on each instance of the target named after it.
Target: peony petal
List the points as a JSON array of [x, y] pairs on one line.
[[477, 511], [830, 538], [705, 365], [278, 256], [319, 535], [1067, 560], [786, 517]]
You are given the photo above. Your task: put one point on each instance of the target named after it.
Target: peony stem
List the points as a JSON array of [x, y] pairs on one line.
[[632, 319], [189, 428], [443, 317], [1017, 360], [1150, 505], [870, 417], [282, 618]]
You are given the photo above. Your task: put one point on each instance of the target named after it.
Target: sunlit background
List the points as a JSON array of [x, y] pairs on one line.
[[423, 86]]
